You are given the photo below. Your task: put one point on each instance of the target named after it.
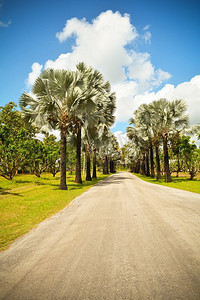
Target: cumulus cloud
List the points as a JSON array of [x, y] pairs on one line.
[[100, 44], [32, 76], [188, 91], [105, 45]]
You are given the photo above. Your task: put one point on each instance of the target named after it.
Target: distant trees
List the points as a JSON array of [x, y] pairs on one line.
[[159, 127]]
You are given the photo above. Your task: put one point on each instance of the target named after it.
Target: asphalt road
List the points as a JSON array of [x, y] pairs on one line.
[[122, 239]]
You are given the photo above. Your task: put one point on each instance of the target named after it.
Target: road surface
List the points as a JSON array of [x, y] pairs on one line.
[[122, 239]]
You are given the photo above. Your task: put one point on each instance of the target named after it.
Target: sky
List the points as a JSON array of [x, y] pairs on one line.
[[146, 49]]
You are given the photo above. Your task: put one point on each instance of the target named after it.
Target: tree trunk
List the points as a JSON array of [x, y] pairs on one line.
[[63, 184], [142, 166], [83, 163], [168, 177], [147, 164], [94, 174], [78, 178], [137, 167], [152, 161], [158, 176], [133, 167], [192, 174], [105, 165], [112, 166], [178, 165], [88, 174]]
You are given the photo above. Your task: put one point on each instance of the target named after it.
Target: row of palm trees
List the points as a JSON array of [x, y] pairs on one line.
[[153, 126], [78, 103]]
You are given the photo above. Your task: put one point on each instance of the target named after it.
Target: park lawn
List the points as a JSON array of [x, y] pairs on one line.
[[182, 182], [27, 200]]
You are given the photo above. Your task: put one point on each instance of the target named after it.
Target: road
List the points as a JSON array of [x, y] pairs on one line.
[[122, 239]]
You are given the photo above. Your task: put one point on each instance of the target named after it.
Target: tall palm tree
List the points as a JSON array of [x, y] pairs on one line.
[[51, 106], [96, 94], [143, 119], [140, 142], [97, 125], [168, 117]]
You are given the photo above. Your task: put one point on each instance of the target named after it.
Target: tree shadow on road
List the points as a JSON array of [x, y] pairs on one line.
[[112, 180]]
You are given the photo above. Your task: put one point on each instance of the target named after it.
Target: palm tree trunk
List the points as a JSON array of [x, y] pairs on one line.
[[158, 176], [78, 178], [112, 167], [105, 165], [133, 167], [152, 161], [63, 184], [94, 174], [137, 168], [147, 164], [168, 177], [88, 174], [142, 166], [83, 163], [178, 165]]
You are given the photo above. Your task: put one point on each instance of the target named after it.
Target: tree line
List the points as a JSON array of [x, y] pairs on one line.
[[160, 140]]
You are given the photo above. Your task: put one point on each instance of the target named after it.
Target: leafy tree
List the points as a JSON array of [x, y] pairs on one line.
[[15, 141], [191, 155], [53, 153], [38, 157]]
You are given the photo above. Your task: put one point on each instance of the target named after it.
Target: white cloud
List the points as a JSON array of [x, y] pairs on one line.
[[32, 76], [102, 44], [2, 24], [121, 138], [124, 99], [147, 37], [146, 27], [188, 91]]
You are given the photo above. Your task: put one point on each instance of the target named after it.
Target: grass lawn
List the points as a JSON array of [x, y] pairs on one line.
[[27, 200], [182, 182]]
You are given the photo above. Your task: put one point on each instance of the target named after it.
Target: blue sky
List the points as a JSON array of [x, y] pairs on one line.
[[172, 29]]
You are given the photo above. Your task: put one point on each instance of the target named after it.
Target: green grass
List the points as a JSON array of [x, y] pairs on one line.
[[181, 182], [27, 200]]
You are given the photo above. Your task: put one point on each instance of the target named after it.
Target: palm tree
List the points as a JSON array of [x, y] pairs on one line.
[[140, 142], [97, 125], [168, 117], [143, 119], [96, 109], [51, 106]]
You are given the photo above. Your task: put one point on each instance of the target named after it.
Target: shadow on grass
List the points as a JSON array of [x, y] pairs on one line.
[[50, 178], [174, 179], [4, 192], [71, 185], [23, 181]]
